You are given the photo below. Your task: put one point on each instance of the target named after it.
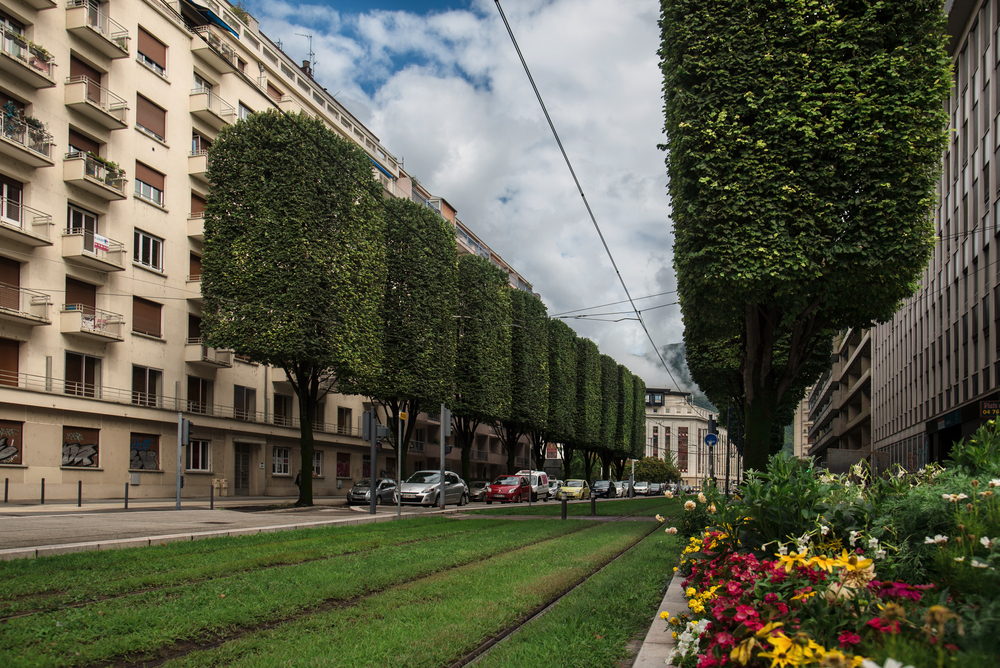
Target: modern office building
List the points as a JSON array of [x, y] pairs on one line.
[[676, 430], [108, 109]]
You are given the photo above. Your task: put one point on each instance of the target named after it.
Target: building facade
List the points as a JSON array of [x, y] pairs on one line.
[[676, 430], [109, 109]]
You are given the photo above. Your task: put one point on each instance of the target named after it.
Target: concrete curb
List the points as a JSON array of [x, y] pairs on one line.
[[10, 554], [659, 642]]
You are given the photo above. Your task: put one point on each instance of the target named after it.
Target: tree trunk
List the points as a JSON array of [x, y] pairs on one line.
[[568, 453], [757, 434], [588, 464], [306, 386], [464, 431]]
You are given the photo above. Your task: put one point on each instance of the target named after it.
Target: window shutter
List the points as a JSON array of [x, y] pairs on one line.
[[145, 316], [195, 266], [152, 48], [150, 116], [148, 176], [82, 143], [78, 292], [198, 204]]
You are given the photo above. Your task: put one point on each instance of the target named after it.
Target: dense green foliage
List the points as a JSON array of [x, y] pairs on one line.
[[482, 364], [654, 469], [561, 424], [639, 411], [294, 257], [418, 316], [790, 221], [610, 403]]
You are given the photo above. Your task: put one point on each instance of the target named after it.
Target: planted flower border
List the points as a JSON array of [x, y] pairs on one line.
[[826, 595]]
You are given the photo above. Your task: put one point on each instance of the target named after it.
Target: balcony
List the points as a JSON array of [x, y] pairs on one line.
[[23, 306], [198, 165], [208, 44], [210, 108], [197, 353], [96, 103], [86, 249], [91, 174], [26, 142], [91, 24], [91, 323], [196, 225], [289, 105], [23, 224], [26, 62], [40, 4]]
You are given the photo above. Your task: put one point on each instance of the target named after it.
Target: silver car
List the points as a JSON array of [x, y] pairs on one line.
[[423, 487], [360, 493]]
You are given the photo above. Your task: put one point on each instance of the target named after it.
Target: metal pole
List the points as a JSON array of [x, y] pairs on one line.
[[593, 504], [631, 481], [180, 428], [211, 497], [729, 456], [6, 489], [79, 494], [126, 496], [43, 491], [531, 474], [372, 456], [399, 464], [441, 499], [564, 507]]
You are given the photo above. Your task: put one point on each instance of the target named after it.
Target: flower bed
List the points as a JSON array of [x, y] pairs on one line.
[[828, 592]]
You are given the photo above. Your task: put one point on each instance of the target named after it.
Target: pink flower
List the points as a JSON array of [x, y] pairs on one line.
[[734, 589], [770, 598], [708, 661], [724, 639], [745, 612], [848, 638]]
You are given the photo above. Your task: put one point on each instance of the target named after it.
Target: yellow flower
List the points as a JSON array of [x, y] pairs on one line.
[[711, 509], [743, 652], [784, 652], [790, 560], [690, 592], [824, 562], [766, 630], [665, 615], [803, 596]]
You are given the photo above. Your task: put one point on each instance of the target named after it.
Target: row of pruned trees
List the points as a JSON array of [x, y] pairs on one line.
[[309, 269]]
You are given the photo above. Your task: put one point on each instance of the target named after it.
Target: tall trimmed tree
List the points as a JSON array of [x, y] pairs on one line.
[[529, 365], [482, 365], [626, 416], [587, 419], [418, 316], [610, 412], [561, 424], [803, 159], [294, 258]]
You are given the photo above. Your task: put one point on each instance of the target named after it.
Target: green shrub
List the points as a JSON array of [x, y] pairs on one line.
[[979, 455]]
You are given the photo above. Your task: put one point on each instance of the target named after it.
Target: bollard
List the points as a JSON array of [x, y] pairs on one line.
[[79, 494], [6, 488], [564, 507], [593, 505], [126, 496], [211, 497], [43, 491]]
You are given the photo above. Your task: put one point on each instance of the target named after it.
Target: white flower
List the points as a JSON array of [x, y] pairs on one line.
[[889, 663], [659, 518], [783, 550], [689, 505], [880, 554], [872, 543], [824, 529], [979, 564], [936, 540], [987, 543], [701, 498], [954, 497], [960, 559], [671, 530], [995, 482], [669, 494], [854, 537]]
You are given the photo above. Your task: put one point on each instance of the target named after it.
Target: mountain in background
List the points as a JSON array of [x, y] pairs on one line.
[[675, 355]]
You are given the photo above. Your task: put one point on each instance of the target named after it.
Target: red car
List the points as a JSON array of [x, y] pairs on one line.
[[508, 488]]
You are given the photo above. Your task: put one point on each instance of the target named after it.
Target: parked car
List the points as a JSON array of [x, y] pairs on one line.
[[574, 489], [477, 490], [604, 489], [360, 492], [508, 488], [423, 487], [642, 488], [620, 487], [539, 481], [554, 486], [655, 489]]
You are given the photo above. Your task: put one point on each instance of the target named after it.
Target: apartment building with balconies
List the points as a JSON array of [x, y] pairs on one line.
[[109, 109]]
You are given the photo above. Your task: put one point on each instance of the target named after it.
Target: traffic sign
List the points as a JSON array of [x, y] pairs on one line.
[[711, 440], [402, 415]]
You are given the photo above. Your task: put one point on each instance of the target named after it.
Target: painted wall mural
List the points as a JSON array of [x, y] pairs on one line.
[[144, 452], [10, 442], [80, 447]]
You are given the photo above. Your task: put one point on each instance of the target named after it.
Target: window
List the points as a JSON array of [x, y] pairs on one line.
[[148, 250], [199, 144], [152, 53], [146, 384], [198, 205], [146, 317], [80, 221], [274, 91], [9, 368], [150, 118], [11, 199], [244, 403], [198, 458], [11, 442], [148, 184], [343, 420], [343, 465], [283, 410], [200, 395], [280, 465], [245, 111], [319, 419], [80, 447], [366, 466], [144, 452], [83, 375], [317, 462], [682, 449], [194, 268], [201, 85]]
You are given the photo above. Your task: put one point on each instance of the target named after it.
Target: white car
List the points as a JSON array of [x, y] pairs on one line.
[[539, 481]]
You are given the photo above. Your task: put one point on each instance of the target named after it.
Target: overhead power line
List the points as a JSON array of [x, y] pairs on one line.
[[593, 219]]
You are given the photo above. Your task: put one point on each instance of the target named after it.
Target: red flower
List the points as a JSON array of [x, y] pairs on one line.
[[744, 613], [770, 598], [849, 638]]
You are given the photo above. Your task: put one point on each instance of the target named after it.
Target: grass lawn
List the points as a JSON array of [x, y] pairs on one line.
[[643, 506], [412, 593]]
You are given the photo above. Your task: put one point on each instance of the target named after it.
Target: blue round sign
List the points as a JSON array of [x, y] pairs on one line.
[[711, 439]]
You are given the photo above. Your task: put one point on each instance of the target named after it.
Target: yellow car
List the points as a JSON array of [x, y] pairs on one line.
[[574, 489]]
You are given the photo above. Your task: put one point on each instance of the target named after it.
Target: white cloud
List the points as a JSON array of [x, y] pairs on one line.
[[446, 92]]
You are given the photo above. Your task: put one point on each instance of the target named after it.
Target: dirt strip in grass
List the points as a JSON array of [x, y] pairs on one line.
[[77, 579], [433, 621], [644, 507], [593, 624], [141, 624]]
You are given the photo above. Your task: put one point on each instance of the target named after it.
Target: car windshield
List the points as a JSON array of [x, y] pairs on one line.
[[575, 483], [364, 482], [507, 480], [477, 485], [601, 483], [425, 477]]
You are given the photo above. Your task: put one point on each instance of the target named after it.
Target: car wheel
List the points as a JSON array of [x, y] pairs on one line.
[[464, 500], [378, 499], [489, 503]]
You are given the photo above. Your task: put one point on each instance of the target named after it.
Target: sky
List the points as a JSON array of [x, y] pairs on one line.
[[440, 84]]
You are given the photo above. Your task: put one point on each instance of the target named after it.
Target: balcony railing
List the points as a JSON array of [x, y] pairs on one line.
[[97, 170], [102, 98], [98, 21], [209, 107], [97, 321], [17, 46], [217, 43], [25, 303], [31, 137], [521, 461], [101, 247], [481, 455], [17, 216], [476, 247]]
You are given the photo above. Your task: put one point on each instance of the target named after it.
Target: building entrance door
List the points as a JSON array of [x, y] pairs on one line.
[[241, 475]]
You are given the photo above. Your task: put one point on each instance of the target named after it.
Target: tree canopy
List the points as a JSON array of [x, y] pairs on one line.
[[294, 257], [803, 156]]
